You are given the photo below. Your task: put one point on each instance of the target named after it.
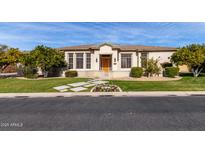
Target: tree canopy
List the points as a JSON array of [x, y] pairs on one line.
[[47, 58], [191, 55], [28, 59], [10, 57]]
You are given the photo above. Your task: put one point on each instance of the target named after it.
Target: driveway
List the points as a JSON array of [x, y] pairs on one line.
[[103, 113]]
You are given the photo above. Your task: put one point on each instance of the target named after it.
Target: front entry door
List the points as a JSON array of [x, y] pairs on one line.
[[106, 63]]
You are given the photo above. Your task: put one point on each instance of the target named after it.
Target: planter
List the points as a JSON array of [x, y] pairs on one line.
[[106, 88]]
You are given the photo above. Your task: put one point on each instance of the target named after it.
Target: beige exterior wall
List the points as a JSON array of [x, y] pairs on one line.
[[161, 56], [183, 68], [117, 71]]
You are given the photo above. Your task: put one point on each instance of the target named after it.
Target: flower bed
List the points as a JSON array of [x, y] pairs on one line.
[[106, 88]]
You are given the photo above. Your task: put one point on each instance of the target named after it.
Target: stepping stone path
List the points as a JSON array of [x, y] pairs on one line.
[[78, 89], [61, 87], [89, 85], [79, 86]]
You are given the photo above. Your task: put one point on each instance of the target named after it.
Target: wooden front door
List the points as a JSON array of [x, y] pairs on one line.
[[105, 63]]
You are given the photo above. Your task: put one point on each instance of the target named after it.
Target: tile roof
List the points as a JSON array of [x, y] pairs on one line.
[[116, 46]]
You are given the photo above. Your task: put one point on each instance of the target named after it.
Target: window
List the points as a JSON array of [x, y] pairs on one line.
[[88, 60], [126, 60], [144, 57], [70, 61], [79, 60]]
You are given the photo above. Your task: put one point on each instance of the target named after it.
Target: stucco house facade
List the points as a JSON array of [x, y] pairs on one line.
[[111, 60]]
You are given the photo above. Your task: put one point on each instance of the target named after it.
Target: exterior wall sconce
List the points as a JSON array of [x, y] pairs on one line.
[[96, 60], [114, 60]]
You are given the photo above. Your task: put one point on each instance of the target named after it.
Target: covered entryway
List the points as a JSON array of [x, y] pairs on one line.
[[106, 63]]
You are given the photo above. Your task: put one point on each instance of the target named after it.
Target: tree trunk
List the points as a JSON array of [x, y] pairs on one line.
[[45, 74], [196, 71], [4, 67]]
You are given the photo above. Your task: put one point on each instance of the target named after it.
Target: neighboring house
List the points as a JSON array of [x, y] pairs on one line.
[[112, 60]]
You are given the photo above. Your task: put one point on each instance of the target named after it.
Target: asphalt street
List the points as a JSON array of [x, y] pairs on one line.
[[104, 113]]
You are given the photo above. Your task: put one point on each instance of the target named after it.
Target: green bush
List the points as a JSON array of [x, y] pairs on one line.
[[136, 72], [71, 73], [55, 72], [152, 67], [171, 71], [30, 72]]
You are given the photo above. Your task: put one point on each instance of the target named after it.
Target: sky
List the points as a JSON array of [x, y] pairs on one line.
[[27, 35]]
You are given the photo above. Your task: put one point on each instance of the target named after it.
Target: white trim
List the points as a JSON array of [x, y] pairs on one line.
[[74, 60], [141, 58], [120, 66], [84, 60], [95, 66]]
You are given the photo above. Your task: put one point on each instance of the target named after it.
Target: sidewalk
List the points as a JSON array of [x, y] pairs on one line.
[[96, 94]]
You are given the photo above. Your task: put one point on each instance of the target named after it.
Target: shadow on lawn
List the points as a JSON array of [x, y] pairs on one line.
[[189, 74]]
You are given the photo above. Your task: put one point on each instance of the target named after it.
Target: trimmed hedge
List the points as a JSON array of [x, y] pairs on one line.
[[136, 72], [71, 73], [171, 71]]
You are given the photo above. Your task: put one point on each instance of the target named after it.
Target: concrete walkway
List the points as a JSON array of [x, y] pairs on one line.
[[96, 94]]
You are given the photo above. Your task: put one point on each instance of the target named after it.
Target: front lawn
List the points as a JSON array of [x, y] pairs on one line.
[[13, 85], [185, 84]]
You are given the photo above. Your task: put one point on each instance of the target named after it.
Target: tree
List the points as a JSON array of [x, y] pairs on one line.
[[193, 56], [28, 59], [10, 57], [2, 59], [47, 58], [28, 66], [152, 67]]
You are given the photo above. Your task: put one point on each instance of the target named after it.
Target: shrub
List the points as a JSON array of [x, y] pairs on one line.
[[30, 72], [171, 71], [55, 72], [71, 73], [136, 72], [152, 67]]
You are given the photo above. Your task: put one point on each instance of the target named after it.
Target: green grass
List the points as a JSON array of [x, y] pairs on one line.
[[13, 85], [185, 84]]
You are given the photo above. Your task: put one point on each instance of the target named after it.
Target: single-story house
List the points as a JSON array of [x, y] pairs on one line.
[[111, 59]]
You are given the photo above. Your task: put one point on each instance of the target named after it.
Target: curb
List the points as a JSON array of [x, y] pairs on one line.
[[97, 94]]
